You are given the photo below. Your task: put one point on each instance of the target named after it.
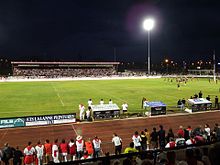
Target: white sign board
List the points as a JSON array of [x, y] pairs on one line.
[[104, 107]]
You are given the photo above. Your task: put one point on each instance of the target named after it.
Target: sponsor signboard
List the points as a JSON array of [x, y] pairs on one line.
[[12, 122], [105, 111], [50, 119]]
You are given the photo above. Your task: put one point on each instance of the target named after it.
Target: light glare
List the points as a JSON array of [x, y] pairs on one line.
[[148, 24]]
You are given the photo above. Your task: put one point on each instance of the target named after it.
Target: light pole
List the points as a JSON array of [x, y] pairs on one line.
[[148, 25]]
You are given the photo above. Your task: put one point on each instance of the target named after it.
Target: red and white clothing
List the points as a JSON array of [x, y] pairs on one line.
[[171, 145], [29, 152], [136, 140], [55, 153], [40, 152], [79, 145], [64, 150], [72, 150], [190, 141]]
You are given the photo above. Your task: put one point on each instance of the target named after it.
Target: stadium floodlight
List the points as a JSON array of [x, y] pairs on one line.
[[148, 25]]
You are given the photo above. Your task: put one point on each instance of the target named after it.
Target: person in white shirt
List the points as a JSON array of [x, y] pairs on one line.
[[137, 141], [81, 111], [207, 132], [97, 146], [101, 102], [90, 102], [117, 143], [191, 140], [110, 101], [55, 151], [29, 152], [125, 107], [40, 152], [79, 146], [88, 114]]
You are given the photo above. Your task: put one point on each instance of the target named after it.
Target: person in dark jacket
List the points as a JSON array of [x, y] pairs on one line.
[[17, 157], [161, 135], [154, 138]]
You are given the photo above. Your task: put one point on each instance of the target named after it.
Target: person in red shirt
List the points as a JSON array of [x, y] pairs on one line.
[[72, 149], [63, 150], [47, 151], [89, 147], [180, 132]]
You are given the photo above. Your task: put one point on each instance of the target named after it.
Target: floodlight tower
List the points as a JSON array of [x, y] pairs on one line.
[[148, 25]]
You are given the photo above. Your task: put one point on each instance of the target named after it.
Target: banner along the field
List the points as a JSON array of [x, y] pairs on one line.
[[12, 122], [50, 119]]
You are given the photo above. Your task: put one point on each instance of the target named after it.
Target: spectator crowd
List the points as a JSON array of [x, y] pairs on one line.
[[80, 148], [63, 72]]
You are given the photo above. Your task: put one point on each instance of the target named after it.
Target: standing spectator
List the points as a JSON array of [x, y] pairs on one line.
[[48, 151], [170, 135], [97, 146], [143, 141], [81, 111], [218, 133], [124, 107], [216, 102], [29, 153], [147, 134], [39, 152], [179, 104], [17, 159], [101, 102], [79, 146], [89, 148], [72, 150], [110, 101], [90, 102], [180, 132], [161, 135], [137, 141], [207, 131], [63, 150], [117, 143], [7, 153], [189, 129], [154, 138], [55, 151]]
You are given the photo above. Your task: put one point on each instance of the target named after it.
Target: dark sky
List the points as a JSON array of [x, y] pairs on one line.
[[89, 30]]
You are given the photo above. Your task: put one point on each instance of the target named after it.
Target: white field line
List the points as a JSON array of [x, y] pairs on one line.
[[74, 130], [58, 95]]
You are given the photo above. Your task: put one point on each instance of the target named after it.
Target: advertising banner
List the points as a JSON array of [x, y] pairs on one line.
[[12, 122], [104, 107], [50, 119]]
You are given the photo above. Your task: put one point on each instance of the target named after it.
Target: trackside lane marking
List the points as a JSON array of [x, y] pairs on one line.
[[4, 135], [74, 130]]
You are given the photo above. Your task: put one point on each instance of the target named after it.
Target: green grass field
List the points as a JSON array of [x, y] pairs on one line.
[[37, 98]]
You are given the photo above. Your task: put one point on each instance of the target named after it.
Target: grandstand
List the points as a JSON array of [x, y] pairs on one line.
[[63, 69]]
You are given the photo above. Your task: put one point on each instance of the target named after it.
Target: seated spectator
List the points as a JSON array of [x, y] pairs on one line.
[[180, 141], [85, 155], [191, 141], [171, 144]]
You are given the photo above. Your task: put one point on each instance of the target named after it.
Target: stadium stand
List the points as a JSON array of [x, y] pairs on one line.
[[64, 69]]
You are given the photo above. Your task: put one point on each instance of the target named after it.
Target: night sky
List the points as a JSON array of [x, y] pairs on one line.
[[90, 30]]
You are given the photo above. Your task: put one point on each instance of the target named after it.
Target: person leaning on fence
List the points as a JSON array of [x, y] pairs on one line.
[[97, 146], [79, 146], [117, 141], [72, 149]]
